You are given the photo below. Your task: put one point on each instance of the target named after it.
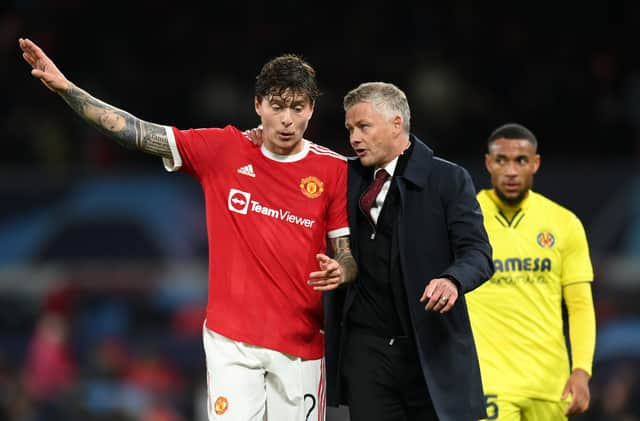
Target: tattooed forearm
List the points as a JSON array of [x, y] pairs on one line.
[[126, 129], [152, 138], [342, 250]]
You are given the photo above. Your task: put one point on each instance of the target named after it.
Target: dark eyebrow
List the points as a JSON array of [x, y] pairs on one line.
[[285, 101]]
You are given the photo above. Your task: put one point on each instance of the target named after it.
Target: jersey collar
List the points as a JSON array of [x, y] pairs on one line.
[[287, 158], [510, 214]]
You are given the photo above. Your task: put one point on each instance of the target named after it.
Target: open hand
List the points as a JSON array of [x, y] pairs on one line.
[[254, 135], [43, 68]]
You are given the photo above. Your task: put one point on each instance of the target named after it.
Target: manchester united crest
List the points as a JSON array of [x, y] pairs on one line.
[[221, 405], [546, 240], [311, 187]]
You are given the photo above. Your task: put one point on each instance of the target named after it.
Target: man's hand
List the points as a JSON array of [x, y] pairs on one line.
[[43, 67], [440, 295], [254, 135], [329, 277], [578, 387]]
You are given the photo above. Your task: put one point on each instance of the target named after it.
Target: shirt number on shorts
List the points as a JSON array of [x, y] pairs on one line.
[[492, 406], [313, 404]]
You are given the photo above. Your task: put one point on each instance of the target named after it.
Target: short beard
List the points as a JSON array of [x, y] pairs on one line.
[[512, 201]]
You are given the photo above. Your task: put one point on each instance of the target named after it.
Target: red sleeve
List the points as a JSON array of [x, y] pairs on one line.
[[337, 220], [194, 150]]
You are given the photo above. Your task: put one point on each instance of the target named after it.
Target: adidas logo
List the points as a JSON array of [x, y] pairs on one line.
[[247, 170]]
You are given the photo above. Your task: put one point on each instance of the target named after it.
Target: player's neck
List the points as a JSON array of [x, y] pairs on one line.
[[508, 209], [284, 150], [277, 154]]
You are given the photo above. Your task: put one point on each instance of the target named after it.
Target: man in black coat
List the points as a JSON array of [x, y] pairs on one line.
[[399, 342]]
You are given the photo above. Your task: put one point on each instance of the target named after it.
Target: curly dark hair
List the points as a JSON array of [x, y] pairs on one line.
[[287, 72]]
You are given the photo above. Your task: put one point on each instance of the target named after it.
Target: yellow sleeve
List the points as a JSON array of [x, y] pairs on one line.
[[582, 324], [576, 262]]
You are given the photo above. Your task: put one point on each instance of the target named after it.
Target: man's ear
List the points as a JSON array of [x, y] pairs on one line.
[[313, 105], [257, 104], [397, 123], [536, 162], [487, 162]]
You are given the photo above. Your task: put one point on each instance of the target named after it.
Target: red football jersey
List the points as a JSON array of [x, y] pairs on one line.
[[267, 217]]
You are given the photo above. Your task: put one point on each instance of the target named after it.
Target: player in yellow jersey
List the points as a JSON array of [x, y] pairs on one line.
[[541, 259]]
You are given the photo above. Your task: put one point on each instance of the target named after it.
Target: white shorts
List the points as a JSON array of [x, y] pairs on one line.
[[251, 383]]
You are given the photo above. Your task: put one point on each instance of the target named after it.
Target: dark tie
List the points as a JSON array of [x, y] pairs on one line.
[[369, 197]]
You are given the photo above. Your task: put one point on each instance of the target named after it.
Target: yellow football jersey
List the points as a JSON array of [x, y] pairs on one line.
[[516, 315]]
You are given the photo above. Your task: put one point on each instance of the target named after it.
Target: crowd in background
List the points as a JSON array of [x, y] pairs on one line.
[[574, 78], [88, 349]]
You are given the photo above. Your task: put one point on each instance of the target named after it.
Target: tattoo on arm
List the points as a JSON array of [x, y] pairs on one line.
[[342, 250], [129, 131]]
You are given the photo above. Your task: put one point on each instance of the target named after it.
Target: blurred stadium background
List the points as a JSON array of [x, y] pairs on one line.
[[103, 254]]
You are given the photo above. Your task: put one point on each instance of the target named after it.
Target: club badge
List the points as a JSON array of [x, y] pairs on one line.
[[311, 187], [546, 240], [221, 405]]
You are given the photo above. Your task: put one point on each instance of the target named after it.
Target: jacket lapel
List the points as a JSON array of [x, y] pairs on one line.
[[419, 165], [359, 179]]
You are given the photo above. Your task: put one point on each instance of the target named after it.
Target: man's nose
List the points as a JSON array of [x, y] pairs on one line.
[[354, 139], [511, 169], [285, 117]]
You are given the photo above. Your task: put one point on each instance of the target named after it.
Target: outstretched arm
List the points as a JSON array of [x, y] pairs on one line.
[[121, 126]]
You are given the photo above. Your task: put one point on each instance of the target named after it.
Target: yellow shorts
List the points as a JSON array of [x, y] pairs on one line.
[[504, 407]]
